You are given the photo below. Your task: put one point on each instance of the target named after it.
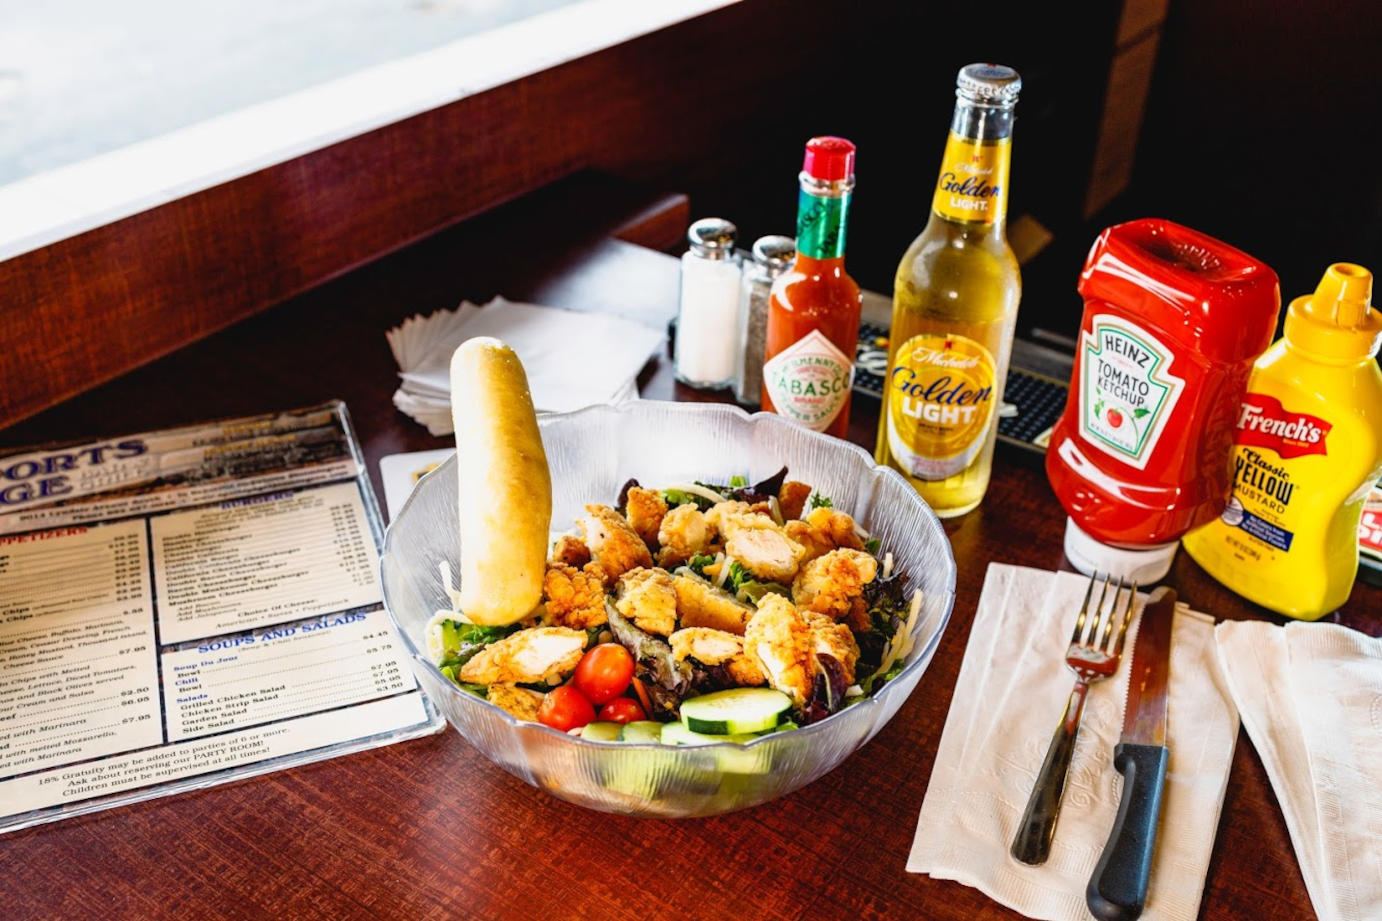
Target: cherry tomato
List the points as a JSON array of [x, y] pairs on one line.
[[622, 710], [565, 708], [604, 673]]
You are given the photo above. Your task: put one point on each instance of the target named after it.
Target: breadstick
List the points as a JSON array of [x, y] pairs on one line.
[[505, 495]]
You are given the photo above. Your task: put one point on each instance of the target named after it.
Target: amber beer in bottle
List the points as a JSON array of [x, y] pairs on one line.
[[954, 308], [813, 310]]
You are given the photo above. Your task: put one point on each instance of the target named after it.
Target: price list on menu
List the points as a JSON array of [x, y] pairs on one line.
[[165, 632]]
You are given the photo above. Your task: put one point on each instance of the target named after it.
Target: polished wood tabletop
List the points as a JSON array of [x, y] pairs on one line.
[[429, 828]]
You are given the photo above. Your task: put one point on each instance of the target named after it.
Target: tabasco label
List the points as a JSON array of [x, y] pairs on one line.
[[940, 400], [1264, 423], [809, 380], [973, 185], [1127, 391]]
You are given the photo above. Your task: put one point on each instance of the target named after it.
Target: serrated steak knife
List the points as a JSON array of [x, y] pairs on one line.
[[1118, 889]]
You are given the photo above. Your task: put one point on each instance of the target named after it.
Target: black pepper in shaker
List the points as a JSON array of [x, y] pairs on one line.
[[772, 256]]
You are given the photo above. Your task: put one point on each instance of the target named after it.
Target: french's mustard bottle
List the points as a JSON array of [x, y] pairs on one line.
[[1307, 453], [954, 308]]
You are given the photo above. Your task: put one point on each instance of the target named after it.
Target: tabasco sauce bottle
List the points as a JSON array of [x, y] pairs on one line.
[[954, 308], [813, 311]]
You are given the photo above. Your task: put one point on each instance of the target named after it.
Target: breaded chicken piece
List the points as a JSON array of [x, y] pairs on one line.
[[616, 547], [571, 550], [727, 517], [684, 533], [528, 656], [768, 553], [515, 701], [791, 499], [835, 640], [830, 584], [575, 599], [779, 636], [645, 510], [701, 604], [716, 647], [647, 598], [824, 530]]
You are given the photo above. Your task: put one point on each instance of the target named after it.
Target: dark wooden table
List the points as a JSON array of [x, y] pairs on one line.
[[429, 828]]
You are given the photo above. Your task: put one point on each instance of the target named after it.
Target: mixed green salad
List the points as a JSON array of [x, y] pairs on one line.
[[693, 614]]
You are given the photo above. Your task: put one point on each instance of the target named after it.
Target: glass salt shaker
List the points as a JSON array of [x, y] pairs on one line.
[[772, 256], [707, 323]]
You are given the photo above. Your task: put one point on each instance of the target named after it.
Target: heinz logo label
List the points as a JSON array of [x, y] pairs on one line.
[[1264, 423]]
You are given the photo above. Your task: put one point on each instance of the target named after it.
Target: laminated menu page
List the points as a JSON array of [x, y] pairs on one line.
[[185, 607]]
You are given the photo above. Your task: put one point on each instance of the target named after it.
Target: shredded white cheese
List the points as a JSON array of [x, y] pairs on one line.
[[723, 562], [695, 490], [901, 643], [887, 565]]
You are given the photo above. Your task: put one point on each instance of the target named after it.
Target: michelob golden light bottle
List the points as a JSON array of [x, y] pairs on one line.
[[954, 308]]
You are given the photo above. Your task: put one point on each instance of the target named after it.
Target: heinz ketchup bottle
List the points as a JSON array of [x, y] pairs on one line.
[[1173, 321]]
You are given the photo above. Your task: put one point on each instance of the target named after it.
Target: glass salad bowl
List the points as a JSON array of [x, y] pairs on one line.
[[592, 452]]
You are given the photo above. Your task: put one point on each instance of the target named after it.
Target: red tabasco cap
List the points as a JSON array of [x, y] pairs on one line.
[[829, 159]]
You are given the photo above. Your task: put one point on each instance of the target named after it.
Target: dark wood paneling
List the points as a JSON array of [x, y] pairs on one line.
[[88, 308]]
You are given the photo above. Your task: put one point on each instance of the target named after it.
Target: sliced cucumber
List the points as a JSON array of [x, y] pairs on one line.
[[736, 711], [729, 760], [601, 731], [641, 731]]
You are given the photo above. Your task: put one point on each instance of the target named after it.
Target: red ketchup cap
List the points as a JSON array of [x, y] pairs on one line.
[[829, 159]]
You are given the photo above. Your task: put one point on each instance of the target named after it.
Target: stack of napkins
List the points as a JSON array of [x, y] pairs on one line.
[[572, 359], [1311, 699], [1010, 695]]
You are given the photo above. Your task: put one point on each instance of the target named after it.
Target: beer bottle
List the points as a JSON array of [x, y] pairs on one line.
[[954, 308]]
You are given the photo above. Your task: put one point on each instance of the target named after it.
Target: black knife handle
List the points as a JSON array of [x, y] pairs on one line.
[[1118, 889]]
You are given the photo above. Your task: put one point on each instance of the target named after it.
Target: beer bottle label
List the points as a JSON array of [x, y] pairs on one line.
[[1127, 391], [809, 381], [973, 184], [940, 395]]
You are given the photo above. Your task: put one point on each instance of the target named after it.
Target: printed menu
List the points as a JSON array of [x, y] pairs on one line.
[[186, 607]]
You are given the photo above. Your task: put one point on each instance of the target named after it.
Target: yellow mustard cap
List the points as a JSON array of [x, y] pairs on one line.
[[1337, 321]]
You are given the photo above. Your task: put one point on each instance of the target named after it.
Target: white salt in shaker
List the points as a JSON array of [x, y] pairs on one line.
[[707, 324]]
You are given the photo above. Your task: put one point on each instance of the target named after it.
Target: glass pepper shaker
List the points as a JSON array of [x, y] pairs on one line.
[[772, 256], [707, 323]]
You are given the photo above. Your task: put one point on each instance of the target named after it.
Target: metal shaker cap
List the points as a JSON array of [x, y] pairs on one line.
[[775, 253], [991, 83], [712, 238]]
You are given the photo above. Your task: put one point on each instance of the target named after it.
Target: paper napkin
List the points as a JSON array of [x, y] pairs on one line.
[[572, 359], [1311, 699], [1010, 695]]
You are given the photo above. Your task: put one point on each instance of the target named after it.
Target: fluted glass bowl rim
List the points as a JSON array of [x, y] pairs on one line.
[[918, 658]]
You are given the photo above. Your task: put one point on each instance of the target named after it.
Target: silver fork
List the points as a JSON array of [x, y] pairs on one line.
[[1092, 658]]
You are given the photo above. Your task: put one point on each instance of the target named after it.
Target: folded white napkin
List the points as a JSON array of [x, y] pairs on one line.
[[1010, 695], [1311, 699], [573, 359]]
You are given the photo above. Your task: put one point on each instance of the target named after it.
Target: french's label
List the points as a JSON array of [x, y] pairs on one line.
[[809, 381], [1127, 389], [973, 184], [1260, 506], [940, 394], [1264, 423]]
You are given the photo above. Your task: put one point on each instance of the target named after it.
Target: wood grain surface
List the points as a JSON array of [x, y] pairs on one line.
[[429, 828]]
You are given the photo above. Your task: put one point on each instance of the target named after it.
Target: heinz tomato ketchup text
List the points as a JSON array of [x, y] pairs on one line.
[[1173, 321]]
